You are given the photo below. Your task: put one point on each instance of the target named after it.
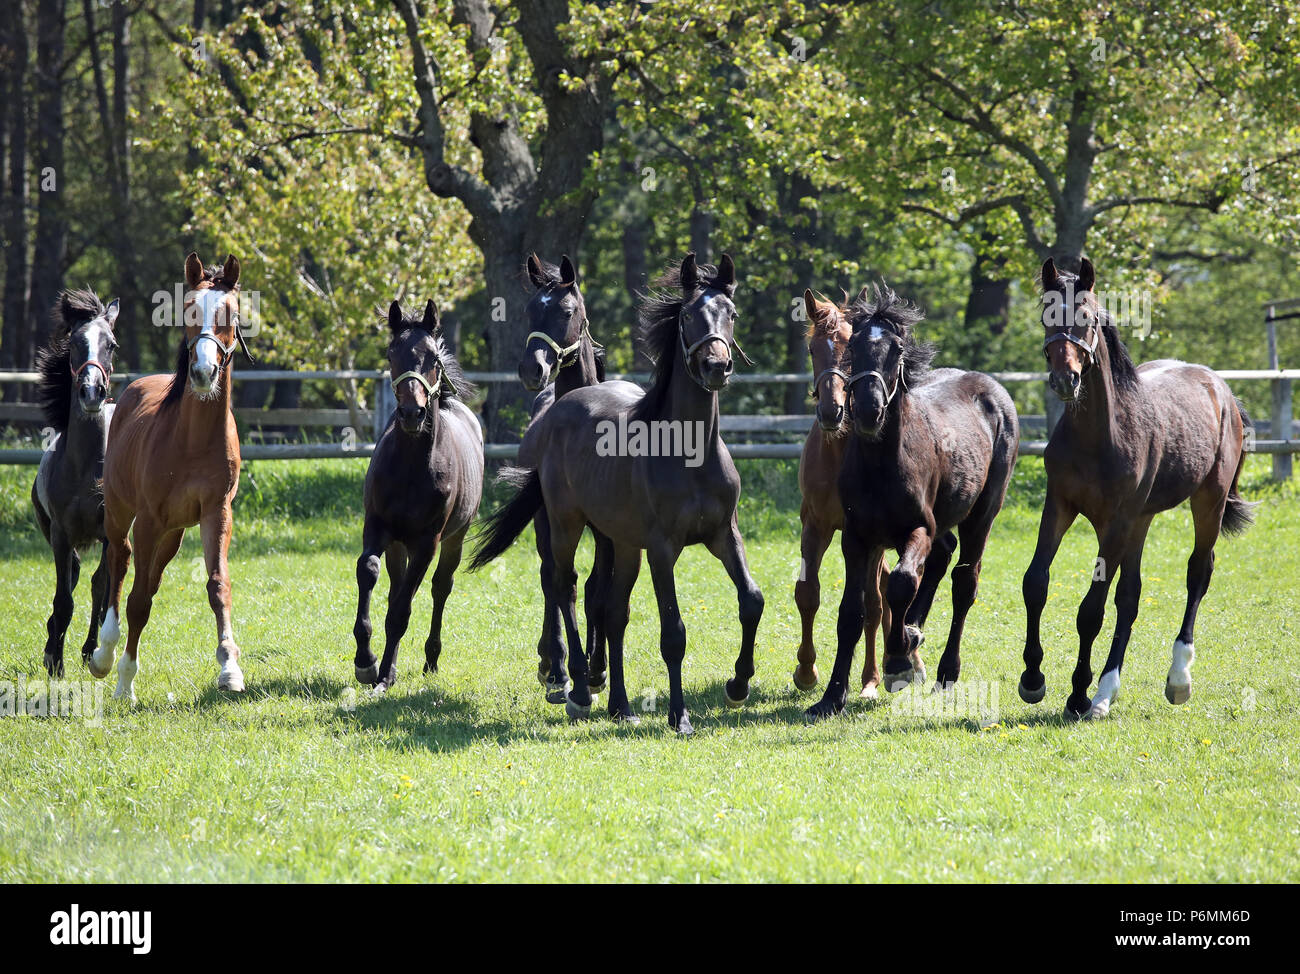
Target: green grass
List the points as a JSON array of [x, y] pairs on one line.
[[472, 776]]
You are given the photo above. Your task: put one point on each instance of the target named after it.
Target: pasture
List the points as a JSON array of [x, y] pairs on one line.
[[469, 775]]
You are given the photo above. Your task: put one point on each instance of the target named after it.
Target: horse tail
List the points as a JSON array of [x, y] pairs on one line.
[[500, 530], [1239, 514]]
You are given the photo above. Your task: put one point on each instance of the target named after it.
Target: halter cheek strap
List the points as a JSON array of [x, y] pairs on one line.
[[817, 382], [1065, 336], [431, 388], [899, 382], [712, 336], [564, 355]]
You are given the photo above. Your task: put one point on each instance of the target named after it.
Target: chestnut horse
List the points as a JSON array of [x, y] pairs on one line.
[[1134, 441], [821, 514], [66, 496], [173, 462]]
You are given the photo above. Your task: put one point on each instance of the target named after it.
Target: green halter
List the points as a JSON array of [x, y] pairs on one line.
[[563, 356], [431, 388]]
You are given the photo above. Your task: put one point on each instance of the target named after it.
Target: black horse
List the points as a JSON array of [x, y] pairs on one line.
[[75, 367], [422, 490], [650, 472], [560, 356], [929, 452]]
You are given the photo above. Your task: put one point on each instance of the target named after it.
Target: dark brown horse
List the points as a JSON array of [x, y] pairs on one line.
[[75, 367], [173, 462], [930, 452], [651, 473], [1134, 441], [422, 490], [560, 356]]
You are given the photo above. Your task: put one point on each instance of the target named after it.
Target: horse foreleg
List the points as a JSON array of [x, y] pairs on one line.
[[860, 571], [936, 564], [1128, 593], [625, 566], [118, 554], [730, 550], [67, 568], [375, 540], [902, 662], [875, 617], [594, 595], [564, 587], [551, 673], [1092, 612], [215, 532], [813, 542], [98, 601], [1056, 520], [153, 550], [448, 561], [398, 616], [672, 632]]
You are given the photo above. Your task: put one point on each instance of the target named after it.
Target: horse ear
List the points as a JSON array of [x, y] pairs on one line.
[[395, 317], [110, 313], [725, 279], [431, 322], [568, 273], [1087, 275], [864, 295], [535, 272], [690, 273], [1051, 280], [193, 270], [230, 272], [810, 304]]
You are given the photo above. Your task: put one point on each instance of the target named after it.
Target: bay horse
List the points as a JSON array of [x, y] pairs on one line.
[[1134, 441], [422, 490], [559, 356], [930, 452], [624, 464], [74, 367], [820, 512], [173, 462]]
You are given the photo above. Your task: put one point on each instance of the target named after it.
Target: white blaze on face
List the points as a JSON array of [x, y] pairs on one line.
[[207, 354]]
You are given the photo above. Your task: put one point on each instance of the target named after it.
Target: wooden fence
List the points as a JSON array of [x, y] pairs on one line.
[[778, 436]]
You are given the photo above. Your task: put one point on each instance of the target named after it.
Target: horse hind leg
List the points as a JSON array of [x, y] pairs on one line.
[[67, 569], [448, 561], [595, 594], [551, 672], [936, 565], [1207, 515], [730, 550], [153, 551], [398, 616], [1128, 596], [625, 567], [98, 601]]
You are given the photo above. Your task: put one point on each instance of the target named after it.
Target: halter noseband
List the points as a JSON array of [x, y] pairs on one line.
[[226, 350], [709, 336], [431, 388], [1065, 336], [564, 355], [899, 382], [817, 382], [106, 372]]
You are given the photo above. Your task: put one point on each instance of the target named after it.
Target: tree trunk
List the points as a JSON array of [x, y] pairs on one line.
[[988, 305], [804, 232], [16, 56], [51, 216]]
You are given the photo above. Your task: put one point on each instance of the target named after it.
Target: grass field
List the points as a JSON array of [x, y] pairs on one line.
[[470, 775]]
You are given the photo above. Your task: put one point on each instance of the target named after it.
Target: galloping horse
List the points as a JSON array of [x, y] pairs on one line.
[[658, 497], [821, 514], [560, 356], [173, 462], [73, 392], [1134, 441], [930, 452], [422, 490]]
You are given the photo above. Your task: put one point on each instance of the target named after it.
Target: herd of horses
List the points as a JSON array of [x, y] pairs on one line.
[[901, 458]]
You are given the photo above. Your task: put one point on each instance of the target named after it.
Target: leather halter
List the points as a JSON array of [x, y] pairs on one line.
[[564, 355], [709, 336], [226, 350], [899, 382], [1065, 336], [106, 372], [817, 382]]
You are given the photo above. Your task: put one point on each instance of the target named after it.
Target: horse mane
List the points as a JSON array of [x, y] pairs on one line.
[[885, 309], [53, 361], [657, 334], [451, 369], [1123, 371], [824, 325]]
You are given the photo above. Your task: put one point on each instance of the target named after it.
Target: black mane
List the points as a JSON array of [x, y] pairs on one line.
[[886, 309], [1123, 371], [54, 390], [453, 374], [657, 333]]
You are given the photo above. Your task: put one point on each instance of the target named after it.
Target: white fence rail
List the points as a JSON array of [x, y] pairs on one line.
[[1281, 443]]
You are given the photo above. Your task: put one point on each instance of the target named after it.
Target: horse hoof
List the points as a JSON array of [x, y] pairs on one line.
[[54, 665], [127, 695], [682, 726], [1098, 711], [803, 686], [894, 682], [626, 720], [1029, 695], [822, 710], [596, 681], [576, 711], [368, 675], [430, 669], [231, 680], [870, 692], [1072, 715], [557, 693], [100, 662], [1177, 695], [734, 702]]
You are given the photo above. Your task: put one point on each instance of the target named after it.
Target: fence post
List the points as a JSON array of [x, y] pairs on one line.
[[385, 403], [1281, 426]]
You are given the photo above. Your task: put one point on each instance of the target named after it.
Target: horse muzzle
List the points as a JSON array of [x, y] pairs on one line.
[[91, 397], [1066, 385], [534, 373], [830, 418]]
